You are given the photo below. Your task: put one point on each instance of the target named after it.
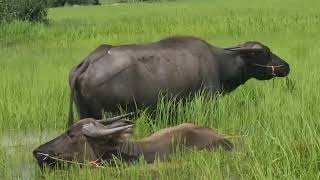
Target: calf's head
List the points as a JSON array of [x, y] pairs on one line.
[[260, 62], [86, 140]]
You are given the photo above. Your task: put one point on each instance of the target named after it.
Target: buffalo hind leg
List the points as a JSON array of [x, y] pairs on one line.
[[90, 110], [84, 110]]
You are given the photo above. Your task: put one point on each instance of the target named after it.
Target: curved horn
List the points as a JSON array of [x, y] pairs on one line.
[[244, 49], [93, 131], [232, 48], [122, 122], [114, 119]]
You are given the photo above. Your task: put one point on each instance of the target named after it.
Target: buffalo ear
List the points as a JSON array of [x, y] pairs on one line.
[[125, 134]]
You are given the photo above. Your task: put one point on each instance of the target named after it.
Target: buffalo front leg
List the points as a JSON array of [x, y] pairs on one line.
[[213, 89], [89, 110]]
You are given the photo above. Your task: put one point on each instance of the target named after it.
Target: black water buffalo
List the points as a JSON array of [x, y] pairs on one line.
[[132, 76], [102, 140]]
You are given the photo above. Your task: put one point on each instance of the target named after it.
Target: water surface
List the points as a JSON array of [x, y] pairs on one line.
[[16, 160]]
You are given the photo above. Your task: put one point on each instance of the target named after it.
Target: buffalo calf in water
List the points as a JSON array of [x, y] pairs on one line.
[[91, 139]]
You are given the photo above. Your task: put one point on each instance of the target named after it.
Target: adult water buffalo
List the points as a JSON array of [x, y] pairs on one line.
[[134, 75], [101, 140]]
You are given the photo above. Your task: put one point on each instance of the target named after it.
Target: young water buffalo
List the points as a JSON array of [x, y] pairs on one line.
[[132, 76], [91, 139]]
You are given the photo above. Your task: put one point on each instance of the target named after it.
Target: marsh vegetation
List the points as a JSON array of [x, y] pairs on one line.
[[274, 124]]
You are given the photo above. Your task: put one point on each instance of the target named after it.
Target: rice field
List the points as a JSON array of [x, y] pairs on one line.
[[274, 124]]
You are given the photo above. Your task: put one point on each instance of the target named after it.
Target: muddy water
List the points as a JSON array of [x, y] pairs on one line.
[[16, 160]]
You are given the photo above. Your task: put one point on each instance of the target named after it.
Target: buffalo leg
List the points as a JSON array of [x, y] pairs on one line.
[[88, 109], [81, 106], [213, 89]]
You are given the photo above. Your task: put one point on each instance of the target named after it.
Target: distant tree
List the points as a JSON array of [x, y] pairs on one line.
[[134, 1], [26, 10], [57, 3]]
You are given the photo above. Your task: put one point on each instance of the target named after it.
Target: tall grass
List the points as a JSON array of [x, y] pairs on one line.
[[274, 124]]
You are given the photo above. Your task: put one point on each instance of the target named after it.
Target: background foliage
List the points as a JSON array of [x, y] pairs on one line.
[[274, 124], [33, 10], [29, 10], [56, 3]]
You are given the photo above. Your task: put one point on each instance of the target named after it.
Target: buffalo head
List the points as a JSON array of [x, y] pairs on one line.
[[81, 144], [260, 62]]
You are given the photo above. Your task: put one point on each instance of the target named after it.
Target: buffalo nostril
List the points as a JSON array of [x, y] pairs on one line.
[[40, 157], [35, 152], [286, 70]]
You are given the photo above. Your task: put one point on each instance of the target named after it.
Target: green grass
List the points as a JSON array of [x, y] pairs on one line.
[[274, 124]]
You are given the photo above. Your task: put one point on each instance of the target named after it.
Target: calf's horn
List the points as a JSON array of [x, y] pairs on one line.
[[114, 119], [93, 131]]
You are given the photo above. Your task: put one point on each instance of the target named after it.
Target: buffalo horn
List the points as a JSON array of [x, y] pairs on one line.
[[114, 119], [93, 131], [122, 122], [244, 49]]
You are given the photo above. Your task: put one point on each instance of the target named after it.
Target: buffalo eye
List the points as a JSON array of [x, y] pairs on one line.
[[254, 54], [70, 134], [258, 53]]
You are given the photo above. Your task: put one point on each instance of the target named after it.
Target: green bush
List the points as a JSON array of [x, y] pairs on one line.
[[26, 10], [57, 3], [133, 1], [79, 2]]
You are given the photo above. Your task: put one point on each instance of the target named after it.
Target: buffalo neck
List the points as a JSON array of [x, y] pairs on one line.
[[131, 148], [130, 151], [127, 151], [232, 70]]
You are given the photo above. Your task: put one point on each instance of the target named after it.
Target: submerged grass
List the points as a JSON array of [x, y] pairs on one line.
[[274, 124]]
